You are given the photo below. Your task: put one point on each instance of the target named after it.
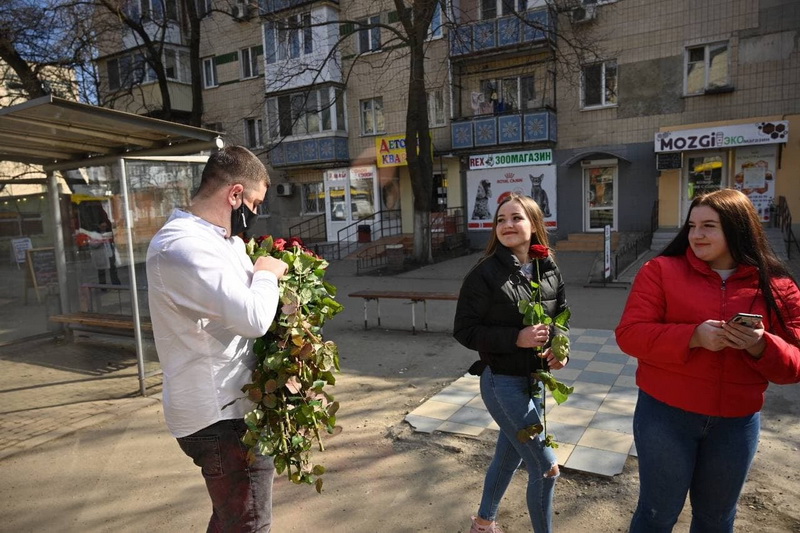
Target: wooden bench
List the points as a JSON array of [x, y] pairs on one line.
[[413, 296], [101, 323]]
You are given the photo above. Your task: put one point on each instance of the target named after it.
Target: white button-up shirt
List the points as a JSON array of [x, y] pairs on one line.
[[207, 305]]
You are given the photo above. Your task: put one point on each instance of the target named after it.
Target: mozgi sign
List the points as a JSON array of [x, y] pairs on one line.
[[723, 136], [511, 159]]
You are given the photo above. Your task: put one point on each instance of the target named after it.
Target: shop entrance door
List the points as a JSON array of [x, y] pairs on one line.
[[703, 174], [599, 184], [350, 195]]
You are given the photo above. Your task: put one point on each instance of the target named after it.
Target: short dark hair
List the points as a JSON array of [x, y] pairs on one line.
[[232, 164]]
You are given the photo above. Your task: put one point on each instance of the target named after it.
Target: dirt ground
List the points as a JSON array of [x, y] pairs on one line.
[[386, 390]]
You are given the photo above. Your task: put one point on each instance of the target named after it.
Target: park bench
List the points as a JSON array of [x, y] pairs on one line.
[[92, 317], [413, 296]]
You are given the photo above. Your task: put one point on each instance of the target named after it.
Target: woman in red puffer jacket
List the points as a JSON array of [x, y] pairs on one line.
[[701, 376]]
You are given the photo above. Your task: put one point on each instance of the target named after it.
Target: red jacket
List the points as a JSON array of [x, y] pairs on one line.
[[670, 297]]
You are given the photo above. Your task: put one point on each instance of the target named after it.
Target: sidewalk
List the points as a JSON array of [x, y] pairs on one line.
[[75, 433]]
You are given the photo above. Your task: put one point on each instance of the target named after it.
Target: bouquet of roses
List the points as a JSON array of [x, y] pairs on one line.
[[534, 313], [294, 365]]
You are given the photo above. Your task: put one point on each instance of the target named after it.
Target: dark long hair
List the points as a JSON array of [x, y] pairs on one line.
[[747, 241]]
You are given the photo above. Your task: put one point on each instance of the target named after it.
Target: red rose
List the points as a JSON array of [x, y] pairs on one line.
[[538, 251], [279, 245], [81, 239], [296, 241]]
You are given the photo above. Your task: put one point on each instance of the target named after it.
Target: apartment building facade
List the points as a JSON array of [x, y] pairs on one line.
[[680, 97]]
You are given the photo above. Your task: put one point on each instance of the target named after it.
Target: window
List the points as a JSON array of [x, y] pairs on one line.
[[209, 73], [313, 196], [158, 10], [305, 113], [435, 30], [506, 95], [599, 85], [253, 133], [203, 7], [372, 116], [289, 38], [436, 108], [493, 8], [369, 37], [249, 60], [706, 68]]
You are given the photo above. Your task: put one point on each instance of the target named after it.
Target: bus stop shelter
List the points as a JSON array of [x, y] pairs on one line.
[[61, 135]]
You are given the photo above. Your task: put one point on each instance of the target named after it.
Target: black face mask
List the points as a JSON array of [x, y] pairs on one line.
[[241, 219]]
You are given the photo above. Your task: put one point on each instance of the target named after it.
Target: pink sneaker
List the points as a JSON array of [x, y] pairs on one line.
[[489, 528]]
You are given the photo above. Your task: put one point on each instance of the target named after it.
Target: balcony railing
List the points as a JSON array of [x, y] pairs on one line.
[[310, 151], [491, 131], [532, 27]]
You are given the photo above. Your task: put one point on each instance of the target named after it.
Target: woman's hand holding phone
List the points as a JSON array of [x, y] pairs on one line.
[[745, 331]]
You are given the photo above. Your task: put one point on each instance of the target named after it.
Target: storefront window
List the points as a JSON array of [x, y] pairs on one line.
[[600, 183]]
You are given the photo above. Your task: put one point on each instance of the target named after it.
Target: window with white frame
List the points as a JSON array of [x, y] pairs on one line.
[[209, 73], [436, 115], [249, 59], [369, 36], [499, 8], [308, 112], [599, 85], [132, 69], [372, 116], [313, 197], [204, 7], [435, 29], [706, 68], [158, 10], [253, 133], [507, 95], [289, 38]]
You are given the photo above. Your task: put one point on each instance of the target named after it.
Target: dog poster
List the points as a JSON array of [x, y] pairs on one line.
[[486, 188]]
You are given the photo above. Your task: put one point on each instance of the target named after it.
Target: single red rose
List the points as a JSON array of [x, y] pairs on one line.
[[279, 245], [296, 241], [261, 239], [538, 251], [81, 239]]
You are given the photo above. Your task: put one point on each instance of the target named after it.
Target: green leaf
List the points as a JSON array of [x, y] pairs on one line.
[[562, 319]]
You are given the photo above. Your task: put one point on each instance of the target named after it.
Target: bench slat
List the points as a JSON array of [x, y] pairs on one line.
[[101, 320], [405, 295]]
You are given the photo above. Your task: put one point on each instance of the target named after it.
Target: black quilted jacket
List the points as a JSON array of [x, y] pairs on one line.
[[487, 315]]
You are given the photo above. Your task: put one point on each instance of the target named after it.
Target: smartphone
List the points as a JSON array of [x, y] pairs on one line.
[[746, 319]]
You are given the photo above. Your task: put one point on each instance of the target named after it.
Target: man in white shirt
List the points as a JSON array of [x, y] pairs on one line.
[[208, 302]]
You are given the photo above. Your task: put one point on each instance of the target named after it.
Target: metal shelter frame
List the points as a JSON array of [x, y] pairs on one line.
[[61, 135]]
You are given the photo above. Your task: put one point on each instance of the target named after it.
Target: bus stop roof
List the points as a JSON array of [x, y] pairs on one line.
[[61, 134]]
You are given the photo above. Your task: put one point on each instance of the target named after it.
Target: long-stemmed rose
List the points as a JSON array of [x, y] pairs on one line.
[[534, 312], [294, 365]]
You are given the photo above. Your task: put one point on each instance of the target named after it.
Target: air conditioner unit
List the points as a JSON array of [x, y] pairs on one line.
[[283, 189], [583, 13]]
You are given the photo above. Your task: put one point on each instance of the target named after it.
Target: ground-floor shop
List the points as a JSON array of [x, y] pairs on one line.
[[754, 155]]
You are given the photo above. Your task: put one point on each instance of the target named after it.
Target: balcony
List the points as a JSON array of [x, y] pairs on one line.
[[494, 35], [492, 131], [317, 151], [270, 7]]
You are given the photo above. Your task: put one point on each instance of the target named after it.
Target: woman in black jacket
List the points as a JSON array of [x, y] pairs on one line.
[[488, 320]]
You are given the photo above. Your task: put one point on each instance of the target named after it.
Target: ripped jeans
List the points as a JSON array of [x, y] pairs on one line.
[[508, 401]]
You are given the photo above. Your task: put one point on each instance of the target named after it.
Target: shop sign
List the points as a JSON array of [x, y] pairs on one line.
[[391, 151], [487, 188], [723, 136], [511, 159]]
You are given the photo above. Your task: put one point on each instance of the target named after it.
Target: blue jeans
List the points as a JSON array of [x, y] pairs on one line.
[[241, 493], [508, 400], [680, 452]]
